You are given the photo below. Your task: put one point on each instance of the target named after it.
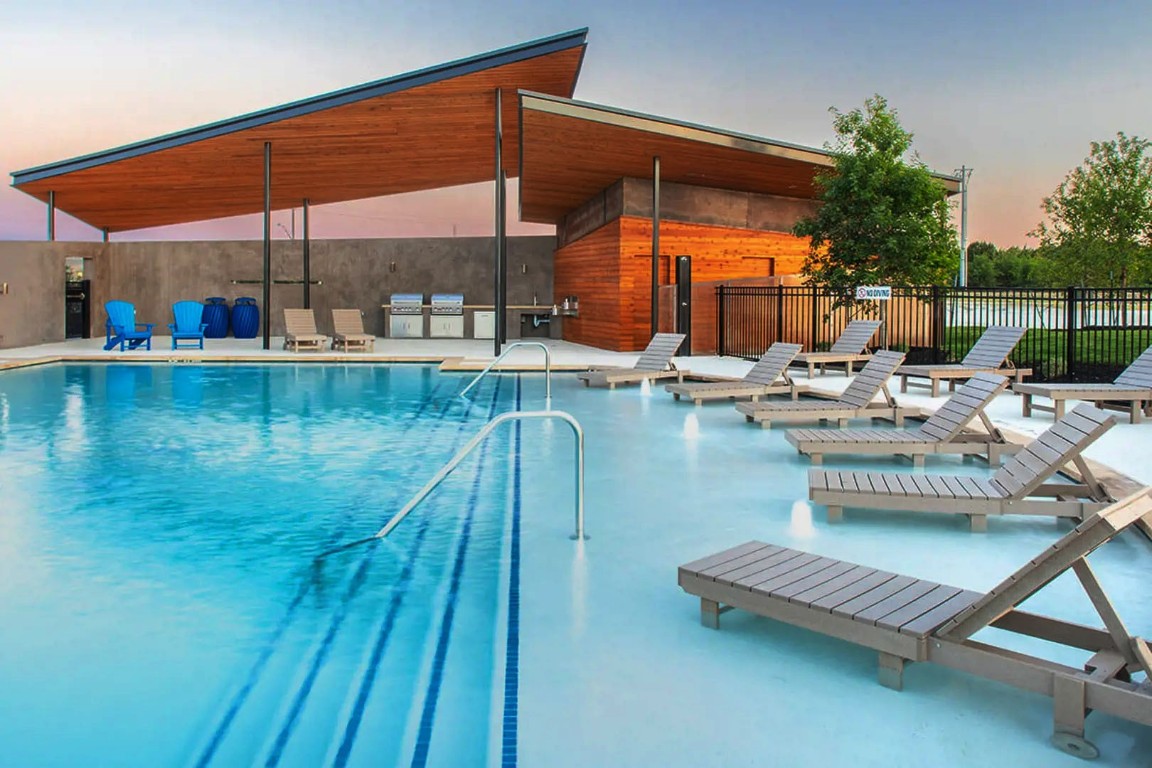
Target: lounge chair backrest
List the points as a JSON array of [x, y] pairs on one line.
[[1139, 374], [300, 322], [772, 364], [855, 337], [965, 405], [1044, 456], [347, 322], [659, 353], [1053, 561], [122, 314], [188, 316], [872, 377], [994, 346]]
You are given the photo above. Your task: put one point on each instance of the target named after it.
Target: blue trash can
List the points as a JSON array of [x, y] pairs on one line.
[[245, 318], [216, 317]]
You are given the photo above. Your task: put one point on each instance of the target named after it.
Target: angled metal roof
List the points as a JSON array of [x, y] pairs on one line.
[[570, 150], [132, 186]]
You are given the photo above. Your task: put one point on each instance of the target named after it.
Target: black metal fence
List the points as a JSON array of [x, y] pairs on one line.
[[1074, 334]]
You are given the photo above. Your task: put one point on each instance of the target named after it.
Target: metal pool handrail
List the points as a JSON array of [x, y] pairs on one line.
[[446, 470], [513, 345]]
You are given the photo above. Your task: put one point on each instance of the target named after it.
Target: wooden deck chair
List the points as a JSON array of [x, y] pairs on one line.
[[300, 331], [1020, 487], [348, 331], [655, 363], [907, 619], [1130, 391], [854, 403], [989, 354], [850, 348], [769, 376], [946, 431]]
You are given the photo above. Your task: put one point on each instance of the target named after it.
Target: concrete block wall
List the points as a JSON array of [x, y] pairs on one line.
[[32, 310]]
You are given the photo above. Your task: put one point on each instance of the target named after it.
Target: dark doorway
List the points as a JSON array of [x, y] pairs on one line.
[[77, 309], [684, 302]]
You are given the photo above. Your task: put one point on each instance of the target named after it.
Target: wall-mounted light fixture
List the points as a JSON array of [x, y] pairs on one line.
[[4, 288], [392, 267], [523, 269]]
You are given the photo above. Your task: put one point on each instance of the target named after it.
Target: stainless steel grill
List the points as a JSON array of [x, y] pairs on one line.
[[447, 304], [407, 303]]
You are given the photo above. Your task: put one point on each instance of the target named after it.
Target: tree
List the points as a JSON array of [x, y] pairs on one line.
[[884, 219], [1100, 217]]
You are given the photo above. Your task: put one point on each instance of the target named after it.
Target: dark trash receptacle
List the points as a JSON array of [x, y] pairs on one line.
[[245, 318], [215, 317]]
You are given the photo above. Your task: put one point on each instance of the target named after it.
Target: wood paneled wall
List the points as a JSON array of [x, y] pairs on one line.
[[610, 271]]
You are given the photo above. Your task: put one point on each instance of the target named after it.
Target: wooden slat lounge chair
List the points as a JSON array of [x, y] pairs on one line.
[[907, 619], [769, 376], [300, 331], [655, 363], [944, 432], [849, 349], [989, 354], [1131, 391], [348, 331], [854, 403], [1020, 487]]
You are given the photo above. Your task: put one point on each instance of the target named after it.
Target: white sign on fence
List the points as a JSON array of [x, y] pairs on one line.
[[873, 292]]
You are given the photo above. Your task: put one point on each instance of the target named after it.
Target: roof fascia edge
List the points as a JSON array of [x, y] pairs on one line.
[[426, 76]]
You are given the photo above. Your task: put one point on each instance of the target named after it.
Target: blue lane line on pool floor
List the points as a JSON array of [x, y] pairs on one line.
[[428, 715], [355, 718], [509, 731], [273, 642], [337, 620]]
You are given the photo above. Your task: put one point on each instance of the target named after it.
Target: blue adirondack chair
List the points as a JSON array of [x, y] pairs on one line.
[[122, 328], [188, 327]]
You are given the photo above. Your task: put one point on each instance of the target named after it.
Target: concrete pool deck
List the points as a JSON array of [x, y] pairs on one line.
[[1123, 448]]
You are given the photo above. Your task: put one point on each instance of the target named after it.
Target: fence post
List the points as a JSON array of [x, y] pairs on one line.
[[780, 312], [720, 329], [937, 327], [1070, 336], [812, 292]]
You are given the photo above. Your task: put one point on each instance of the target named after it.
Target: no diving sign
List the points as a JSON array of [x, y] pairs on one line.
[[873, 292]]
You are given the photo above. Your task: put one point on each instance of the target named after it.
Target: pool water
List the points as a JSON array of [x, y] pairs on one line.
[[161, 605]]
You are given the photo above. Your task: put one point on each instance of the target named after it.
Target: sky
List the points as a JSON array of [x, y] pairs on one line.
[[1016, 90]]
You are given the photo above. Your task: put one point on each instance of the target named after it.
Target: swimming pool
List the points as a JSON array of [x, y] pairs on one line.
[[160, 606]]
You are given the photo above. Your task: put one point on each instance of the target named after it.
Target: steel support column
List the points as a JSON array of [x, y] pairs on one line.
[[498, 246], [51, 215], [267, 295], [307, 262], [503, 238], [105, 231], [655, 245]]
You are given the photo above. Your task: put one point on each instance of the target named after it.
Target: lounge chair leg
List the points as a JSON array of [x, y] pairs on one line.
[[1026, 405], [848, 369], [817, 459], [675, 395], [710, 613], [898, 417], [811, 371], [935, 387], [1068, 714], [918, 460], [697, 402], [994, 455], [891, 671], [766, 424], [978, 523], [904, 383], [1058, 409], [842, 423], [611, 385], [1134, 412], [835, 513]]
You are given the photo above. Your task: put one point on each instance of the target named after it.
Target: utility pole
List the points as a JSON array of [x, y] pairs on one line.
[[965, 173]]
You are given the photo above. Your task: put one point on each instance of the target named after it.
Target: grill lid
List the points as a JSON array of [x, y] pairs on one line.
[[447, 303]]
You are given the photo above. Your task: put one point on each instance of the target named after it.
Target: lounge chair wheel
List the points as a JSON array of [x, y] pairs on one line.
[[1077, 746]]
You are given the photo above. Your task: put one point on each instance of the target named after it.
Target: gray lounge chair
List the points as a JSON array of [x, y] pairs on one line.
[[769, 376], [850, 348], [989, 355], [348, 331], [854, 403], [1020, 487], [655, 363], [1131, 391], [300, 331], [946, 431], [907, 619]]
